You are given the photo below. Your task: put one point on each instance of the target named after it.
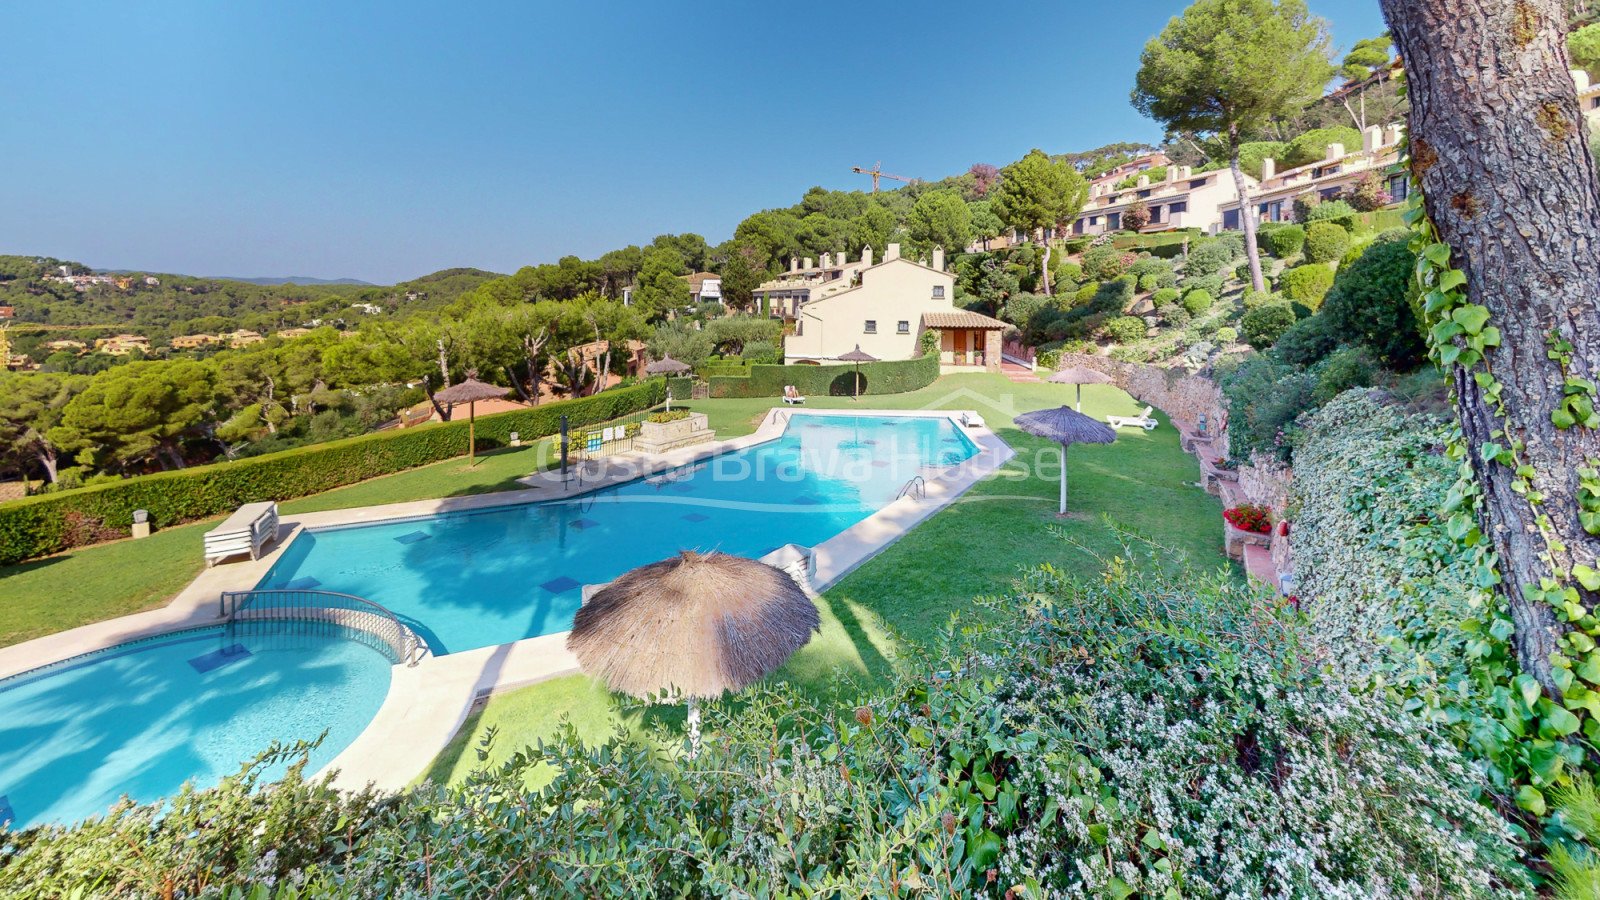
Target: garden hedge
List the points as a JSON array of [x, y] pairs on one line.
[[51, 523], [888, 377]]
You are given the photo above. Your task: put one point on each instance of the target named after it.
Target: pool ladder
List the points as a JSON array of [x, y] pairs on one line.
[[916, 488]]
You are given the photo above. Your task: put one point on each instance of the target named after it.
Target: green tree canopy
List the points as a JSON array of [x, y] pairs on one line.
[[138, 412], [940, 219], [1039, 192]]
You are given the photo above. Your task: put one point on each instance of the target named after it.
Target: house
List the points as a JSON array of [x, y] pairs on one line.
[[7, 312], [370, 309], [704, 287], [193, 341], [1182, 199], [122, 344], [885, 309], [783, 296], [241, 338], [1131, 167], [1273, 200], [290, 333], [152, 281], [1588, 96], [74, 346]]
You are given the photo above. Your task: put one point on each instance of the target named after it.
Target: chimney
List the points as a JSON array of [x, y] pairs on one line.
[[1185, 172], [794, 263], [1371, 139], [938, 258], [1269, 168], [866, 255], [1581, 79], [1172, 174], [1335, 151], [827, 260], [1144, 181], [808, 263], [891, 252], [1391, 135]]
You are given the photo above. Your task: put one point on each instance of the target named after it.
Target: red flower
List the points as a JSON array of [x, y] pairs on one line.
[[1249, 517]]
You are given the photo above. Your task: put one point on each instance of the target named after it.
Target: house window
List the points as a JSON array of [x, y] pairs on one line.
[[1197, 183], [904, 327], [1179, 207], [938, 292], [1399, 187], [1114, 221], [1144, 193], [1329, 193], [1230, 219], [872, 326]]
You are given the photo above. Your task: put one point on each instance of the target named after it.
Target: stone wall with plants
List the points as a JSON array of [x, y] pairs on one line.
[[1172, 389]]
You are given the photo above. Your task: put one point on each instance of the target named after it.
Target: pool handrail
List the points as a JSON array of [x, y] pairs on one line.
[[319, 609]]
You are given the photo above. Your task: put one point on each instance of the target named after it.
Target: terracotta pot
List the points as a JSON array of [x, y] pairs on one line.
[[1283, 529]]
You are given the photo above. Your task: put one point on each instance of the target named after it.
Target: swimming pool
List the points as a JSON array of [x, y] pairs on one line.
[[144, 717], [477, 579]]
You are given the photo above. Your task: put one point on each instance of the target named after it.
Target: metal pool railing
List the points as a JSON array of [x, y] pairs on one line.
[[288, 615]]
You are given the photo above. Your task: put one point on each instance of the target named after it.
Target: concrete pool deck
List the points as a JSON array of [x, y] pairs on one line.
[[428, 702]]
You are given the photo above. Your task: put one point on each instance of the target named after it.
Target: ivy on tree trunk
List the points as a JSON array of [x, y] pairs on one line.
[[1499, 146]]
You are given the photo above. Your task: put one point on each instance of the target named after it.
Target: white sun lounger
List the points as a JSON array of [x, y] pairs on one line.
[[1145, 420], [246, 531], [792, 396]]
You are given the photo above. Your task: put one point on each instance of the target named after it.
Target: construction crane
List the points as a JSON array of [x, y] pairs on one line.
[[877, 172]]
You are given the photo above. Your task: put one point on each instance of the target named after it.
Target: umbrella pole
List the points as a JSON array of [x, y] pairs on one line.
[[668, 380], [472, 433], [1063, 479], [1080, 398]]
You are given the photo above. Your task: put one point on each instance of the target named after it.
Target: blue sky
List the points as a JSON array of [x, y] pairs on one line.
[[385, 140]]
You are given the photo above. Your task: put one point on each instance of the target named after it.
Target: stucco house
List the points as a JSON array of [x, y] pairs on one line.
[[704, 287], [1273, 199], [885, 308], [781, 297], [1182, 199]]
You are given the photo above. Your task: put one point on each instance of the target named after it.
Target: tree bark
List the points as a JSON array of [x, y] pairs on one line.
[[46, 454], [1500, 148], [516, 383], [1247, 216], [1044, 267]]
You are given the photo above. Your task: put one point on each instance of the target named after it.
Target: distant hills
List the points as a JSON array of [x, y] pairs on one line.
[[288, 279]]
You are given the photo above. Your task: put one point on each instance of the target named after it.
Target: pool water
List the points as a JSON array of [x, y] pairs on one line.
[[142, 718], [477, 579]]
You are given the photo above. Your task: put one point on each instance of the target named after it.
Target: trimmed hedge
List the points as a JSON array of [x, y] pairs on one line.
[[888, 377], [51, 523]]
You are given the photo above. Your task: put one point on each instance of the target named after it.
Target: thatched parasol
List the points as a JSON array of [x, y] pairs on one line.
[[1079, 376], [667, 366], [470, 392], [857, 356], [1065, 426], [694, 626]]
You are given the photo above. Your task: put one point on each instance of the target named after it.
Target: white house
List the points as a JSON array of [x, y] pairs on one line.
[[885, 309]]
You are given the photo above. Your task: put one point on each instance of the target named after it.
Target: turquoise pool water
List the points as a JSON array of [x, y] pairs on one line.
[[142, 718], [467, 580]]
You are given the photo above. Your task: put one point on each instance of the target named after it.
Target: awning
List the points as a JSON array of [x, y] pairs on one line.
[[961, 319]]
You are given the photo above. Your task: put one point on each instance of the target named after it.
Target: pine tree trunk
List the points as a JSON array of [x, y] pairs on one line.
[[1500, 147], [1247, 216]]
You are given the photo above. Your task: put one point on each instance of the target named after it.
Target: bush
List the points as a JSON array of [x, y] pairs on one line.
[[1211, 284], [1196, 302], [1085, 294], [1227, 334], [761, 352], [1105, 262], [1286, 241], [887, 377], [1341, 371], [1210, 258], [662, 418], [1125, 329], [1306, 342], [1112, 297], [1263, 325], [1312, 146], [1150, 265], [1148, 283], [1172, 314], [1165, 296], [1265, 398], [1335, 212], [1069, 271], [50, 523], [1325, 242], [1253, 298], [1371, 303], [1307, 284]]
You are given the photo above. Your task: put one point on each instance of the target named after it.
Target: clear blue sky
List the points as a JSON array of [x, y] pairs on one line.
[[385, 140]]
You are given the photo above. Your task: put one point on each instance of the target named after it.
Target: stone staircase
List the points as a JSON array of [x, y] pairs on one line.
[[1019, 373]]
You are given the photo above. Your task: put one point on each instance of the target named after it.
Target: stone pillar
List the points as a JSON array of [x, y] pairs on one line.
[[991, 350]]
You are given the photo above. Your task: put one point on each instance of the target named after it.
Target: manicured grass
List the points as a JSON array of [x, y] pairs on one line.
[[977, 547]]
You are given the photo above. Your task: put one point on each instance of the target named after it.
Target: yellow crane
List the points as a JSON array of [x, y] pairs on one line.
[[877, 172]]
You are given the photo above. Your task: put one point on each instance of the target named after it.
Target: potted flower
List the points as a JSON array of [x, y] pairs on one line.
[[1250, 518]]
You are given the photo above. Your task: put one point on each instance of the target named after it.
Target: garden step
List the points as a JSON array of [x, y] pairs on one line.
[[1258, 563]]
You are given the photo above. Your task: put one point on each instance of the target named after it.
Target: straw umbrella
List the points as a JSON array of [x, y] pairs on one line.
[[470, 392], [668, 367], [857, 356], [1065, 426], [1079, 376], [694, 625]]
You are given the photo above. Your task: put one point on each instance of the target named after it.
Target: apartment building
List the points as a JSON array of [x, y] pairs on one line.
[[1273, 199]]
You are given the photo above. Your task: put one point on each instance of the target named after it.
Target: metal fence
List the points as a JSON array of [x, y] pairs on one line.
[[287, 617]]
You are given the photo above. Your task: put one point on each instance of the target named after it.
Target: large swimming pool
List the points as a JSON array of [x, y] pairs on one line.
[[142, 718], [477, 579]]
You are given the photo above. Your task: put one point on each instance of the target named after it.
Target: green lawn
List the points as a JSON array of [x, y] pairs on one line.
[[973, 548]]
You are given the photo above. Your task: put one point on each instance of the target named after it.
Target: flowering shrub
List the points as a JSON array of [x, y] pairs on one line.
[[671, 416], [1249, 517]]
